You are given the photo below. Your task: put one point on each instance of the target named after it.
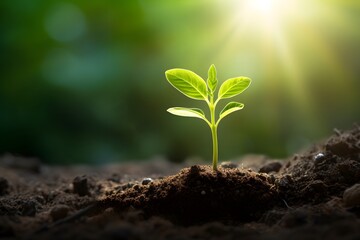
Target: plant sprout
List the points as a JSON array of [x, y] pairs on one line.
[[193, 86]]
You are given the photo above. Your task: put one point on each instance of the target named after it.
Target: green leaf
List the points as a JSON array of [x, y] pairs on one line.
[[230, 108], [212, 79], [188, 83], [187, 112], [233, 87]]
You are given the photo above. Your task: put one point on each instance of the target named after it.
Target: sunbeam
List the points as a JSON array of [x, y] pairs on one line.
[[285, 41]]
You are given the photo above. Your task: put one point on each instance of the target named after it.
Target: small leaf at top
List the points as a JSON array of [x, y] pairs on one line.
[[188, 83], [187, 112], [212, 78], [230, 108], [233, 87]]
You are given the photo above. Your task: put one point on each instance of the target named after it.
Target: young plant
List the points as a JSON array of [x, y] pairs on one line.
[[193, 86]]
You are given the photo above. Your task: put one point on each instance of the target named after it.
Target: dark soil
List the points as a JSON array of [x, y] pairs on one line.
[[312, 195]]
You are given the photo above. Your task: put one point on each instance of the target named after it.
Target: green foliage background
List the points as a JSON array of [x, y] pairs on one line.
[[83, 81]]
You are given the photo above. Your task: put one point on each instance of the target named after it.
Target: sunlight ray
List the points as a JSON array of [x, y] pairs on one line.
[[295, 82], [330, 60], [289, 49]]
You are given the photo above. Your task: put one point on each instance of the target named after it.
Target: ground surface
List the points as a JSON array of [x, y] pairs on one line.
[[312, 195]]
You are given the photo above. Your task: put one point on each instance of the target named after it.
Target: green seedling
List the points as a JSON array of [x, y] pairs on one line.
[[193, 86]]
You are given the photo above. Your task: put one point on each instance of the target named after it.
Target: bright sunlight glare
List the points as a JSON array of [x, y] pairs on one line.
[[260, 6], [268, 13], [274, 35]]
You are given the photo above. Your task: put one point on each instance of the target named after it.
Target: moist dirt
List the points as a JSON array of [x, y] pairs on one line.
[[314, 194]]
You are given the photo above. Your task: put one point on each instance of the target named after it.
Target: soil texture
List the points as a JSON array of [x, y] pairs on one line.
[[314, 194]]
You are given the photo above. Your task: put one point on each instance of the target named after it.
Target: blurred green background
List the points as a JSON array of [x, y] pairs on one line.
[[83, 81]]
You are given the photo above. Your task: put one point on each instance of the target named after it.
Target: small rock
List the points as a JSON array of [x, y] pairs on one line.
[[4, 186], [351, 197], [270, 167], [228, 165], [319, 157], [146, 181], [80, 185], [59, 212]]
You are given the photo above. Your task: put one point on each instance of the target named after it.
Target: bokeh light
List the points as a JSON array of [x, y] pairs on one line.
[[65, 22], [84, 81]]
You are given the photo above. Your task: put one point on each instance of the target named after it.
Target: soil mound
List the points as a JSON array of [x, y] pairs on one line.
[[198, 194]]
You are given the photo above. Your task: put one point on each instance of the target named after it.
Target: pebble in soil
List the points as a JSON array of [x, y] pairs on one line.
[[324, 171], [80, 185], [351, 196]]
